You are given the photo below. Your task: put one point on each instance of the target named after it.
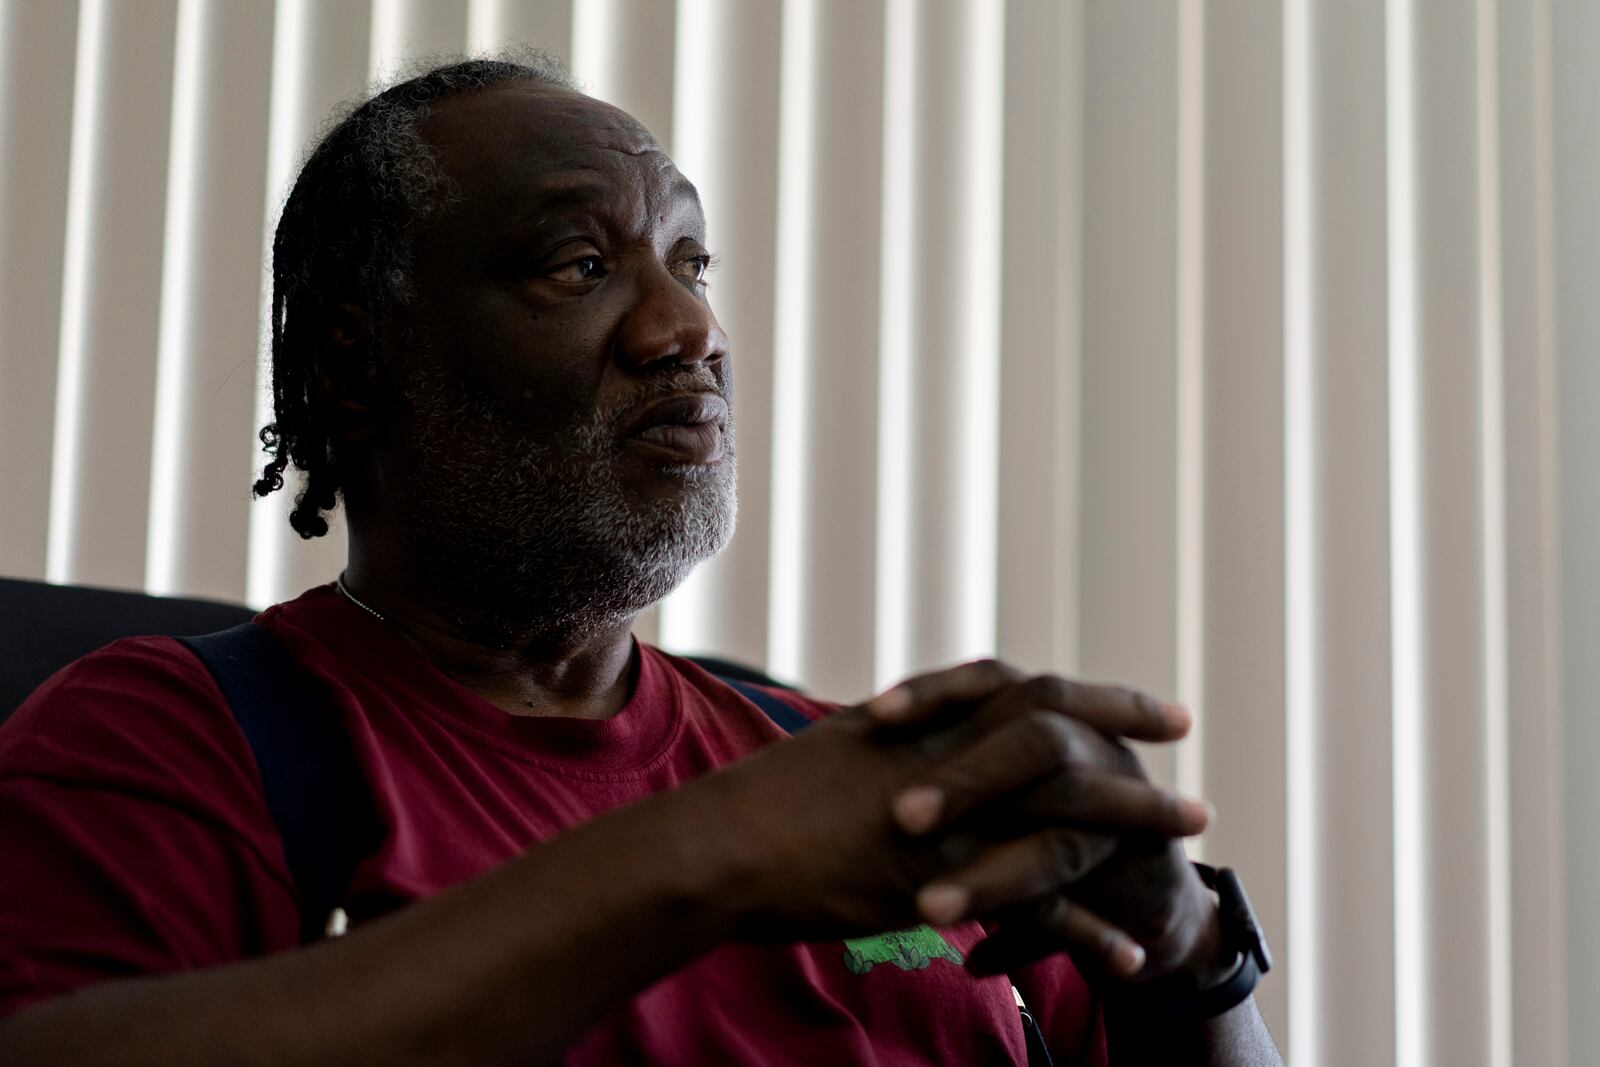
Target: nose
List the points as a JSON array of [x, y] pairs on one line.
[[669, 321]]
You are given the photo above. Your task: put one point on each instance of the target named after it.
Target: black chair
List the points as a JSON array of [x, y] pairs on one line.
[[44, 627]]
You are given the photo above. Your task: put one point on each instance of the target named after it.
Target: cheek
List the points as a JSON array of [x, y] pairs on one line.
[[548, 368]]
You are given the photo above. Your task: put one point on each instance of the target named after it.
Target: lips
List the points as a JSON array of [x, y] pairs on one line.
[[686, 428]]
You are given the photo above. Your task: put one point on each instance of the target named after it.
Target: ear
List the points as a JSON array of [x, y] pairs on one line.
[[347, 369]]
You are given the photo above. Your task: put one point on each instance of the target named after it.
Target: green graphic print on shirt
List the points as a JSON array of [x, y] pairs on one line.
[[909, 950]]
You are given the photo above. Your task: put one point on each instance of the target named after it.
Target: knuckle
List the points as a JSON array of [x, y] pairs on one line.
[[986, 667], [994, 671], [1057, 917], [1051, 735], [1064, 855], [1050, 691], [1126, 762]]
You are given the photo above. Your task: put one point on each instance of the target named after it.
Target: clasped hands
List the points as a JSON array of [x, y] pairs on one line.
[[980, 793]]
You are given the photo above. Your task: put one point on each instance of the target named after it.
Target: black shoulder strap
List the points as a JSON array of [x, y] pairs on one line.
[[309, 775], [775, 708]]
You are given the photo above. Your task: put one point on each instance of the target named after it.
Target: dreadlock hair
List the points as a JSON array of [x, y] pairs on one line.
[[346, 235]]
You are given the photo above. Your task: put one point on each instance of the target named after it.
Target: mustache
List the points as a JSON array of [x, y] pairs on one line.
[[697, 380]]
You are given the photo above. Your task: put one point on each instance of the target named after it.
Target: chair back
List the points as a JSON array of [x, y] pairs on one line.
[[44, 627]]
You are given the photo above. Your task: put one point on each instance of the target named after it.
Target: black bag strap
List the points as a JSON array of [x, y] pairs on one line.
[[313, 787], [775, 708]]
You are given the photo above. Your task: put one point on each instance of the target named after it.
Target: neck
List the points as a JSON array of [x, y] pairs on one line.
[[587, 675]]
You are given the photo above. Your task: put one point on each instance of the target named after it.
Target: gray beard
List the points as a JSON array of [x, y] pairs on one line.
[[521, 544]]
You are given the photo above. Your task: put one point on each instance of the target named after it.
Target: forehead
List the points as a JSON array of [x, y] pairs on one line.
[[519, 148]]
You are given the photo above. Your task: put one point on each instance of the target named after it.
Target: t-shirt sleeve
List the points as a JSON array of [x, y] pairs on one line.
[[133, 832]]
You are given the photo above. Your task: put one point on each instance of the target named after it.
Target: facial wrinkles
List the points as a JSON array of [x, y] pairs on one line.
[[523, 541]]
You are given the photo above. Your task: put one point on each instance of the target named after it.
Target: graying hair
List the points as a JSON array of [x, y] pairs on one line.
[[346, 235]]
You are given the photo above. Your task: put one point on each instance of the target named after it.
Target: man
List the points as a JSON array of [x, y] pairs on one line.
[[491, 340]]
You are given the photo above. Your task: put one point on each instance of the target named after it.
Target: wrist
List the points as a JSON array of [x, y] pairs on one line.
[[1210, 960], [1222, 967], [715, 864]]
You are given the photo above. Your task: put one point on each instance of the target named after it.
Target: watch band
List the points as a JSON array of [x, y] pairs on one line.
[[1240, 930], [1176, 998]]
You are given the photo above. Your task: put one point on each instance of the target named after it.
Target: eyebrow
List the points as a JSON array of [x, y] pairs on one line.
[[559, 196]]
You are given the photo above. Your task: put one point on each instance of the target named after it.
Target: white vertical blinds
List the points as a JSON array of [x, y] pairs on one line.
[[1574, 35], [1337, 536], [826, 402], [1037, 570], [205, 382], [111, 291], [1533, 728], [37, 45], [950, 251], [1232, 387], [1128, 509], [1241, 351]]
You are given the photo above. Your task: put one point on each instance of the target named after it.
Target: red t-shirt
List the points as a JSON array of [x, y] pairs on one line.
[[134, 840]]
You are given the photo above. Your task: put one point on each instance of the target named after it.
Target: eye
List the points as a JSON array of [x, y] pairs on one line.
[[695, 268], [583, 269]]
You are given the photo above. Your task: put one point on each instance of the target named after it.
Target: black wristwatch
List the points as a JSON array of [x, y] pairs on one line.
[[1176, 997]]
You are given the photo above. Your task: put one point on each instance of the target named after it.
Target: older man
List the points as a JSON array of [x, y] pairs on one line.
[[491, 340]]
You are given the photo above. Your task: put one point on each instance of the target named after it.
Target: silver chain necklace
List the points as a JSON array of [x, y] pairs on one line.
[[348, 595]]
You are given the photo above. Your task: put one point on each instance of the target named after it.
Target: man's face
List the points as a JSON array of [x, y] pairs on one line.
[[563, 450]]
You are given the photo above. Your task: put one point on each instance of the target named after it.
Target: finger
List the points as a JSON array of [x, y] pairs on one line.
[[923, 696], [1012, 873], [1111, 709], [1058, 925], [1065, 763], [1114, 802]]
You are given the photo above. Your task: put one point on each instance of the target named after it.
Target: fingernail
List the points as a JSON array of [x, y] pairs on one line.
[[943, 905], [1178, 715], [1197, 812], [889, 705], [1129, 956], [917, 809]]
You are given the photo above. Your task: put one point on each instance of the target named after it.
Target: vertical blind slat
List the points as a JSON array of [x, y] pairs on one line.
[[38, 45], [728, 146], [1347, 754], [1575, 39], [1242, 562], [951, 417], [1538, 1024], [1129, 370], [110, 316], [1450, 773], [832, 250], [1037, 577], [200, 493]]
